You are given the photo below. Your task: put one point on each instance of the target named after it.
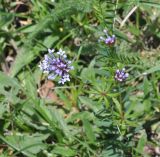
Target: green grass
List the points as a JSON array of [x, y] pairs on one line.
[[93, 115]]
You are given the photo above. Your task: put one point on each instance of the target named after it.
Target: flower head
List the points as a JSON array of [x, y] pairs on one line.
[[109, 40], [121, 75], [56, 65]]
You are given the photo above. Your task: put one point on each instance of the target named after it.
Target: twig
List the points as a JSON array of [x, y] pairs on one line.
[[129, 14]]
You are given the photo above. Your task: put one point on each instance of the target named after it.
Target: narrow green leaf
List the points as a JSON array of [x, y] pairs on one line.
[[89, 131], [118, 105], [64, 151], [141, 144]]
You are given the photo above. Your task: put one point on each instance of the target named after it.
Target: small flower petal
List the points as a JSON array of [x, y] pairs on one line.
[[50, 50], [51, 76]]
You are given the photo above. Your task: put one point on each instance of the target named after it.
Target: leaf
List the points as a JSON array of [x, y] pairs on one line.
[[146, 86], [4, 108], [89, 131], [29, 84], [8, 81], [23, 143], [121, 35], [141, 144], [61, 123], [64, 151], [41, 26], [152, 70], [27, 28], [48, 42], [129, 109], [64, 98], [9, 87], [118, 105], [5, 19], [150, 3], [23, 58], [80, 115], [110, 152], [55, 121], [88, 74], [89, 103]]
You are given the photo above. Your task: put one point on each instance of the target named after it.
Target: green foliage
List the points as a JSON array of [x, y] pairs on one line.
[[93, 115]]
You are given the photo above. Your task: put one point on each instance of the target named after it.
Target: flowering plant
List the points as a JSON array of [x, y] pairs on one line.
[[108, 40], [121, 75], [56, 65]]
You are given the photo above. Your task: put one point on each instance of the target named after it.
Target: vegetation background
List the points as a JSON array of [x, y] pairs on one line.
[[92, 115]]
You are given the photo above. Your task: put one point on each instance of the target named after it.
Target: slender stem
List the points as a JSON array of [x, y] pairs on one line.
[[137, 18], [66, 87], [114, 20]]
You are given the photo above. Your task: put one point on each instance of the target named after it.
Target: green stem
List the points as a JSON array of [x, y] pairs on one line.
[[114, 20], [137, 18]]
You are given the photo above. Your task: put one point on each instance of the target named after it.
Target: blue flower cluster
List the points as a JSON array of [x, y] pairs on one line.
[[121, 75], [109, 40], [56, 65]]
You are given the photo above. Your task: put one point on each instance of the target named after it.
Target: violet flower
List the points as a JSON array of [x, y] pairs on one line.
[[109, 40], [56, 65], [121, 75]]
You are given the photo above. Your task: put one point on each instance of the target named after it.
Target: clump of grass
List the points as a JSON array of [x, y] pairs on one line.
[[101, 111]]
